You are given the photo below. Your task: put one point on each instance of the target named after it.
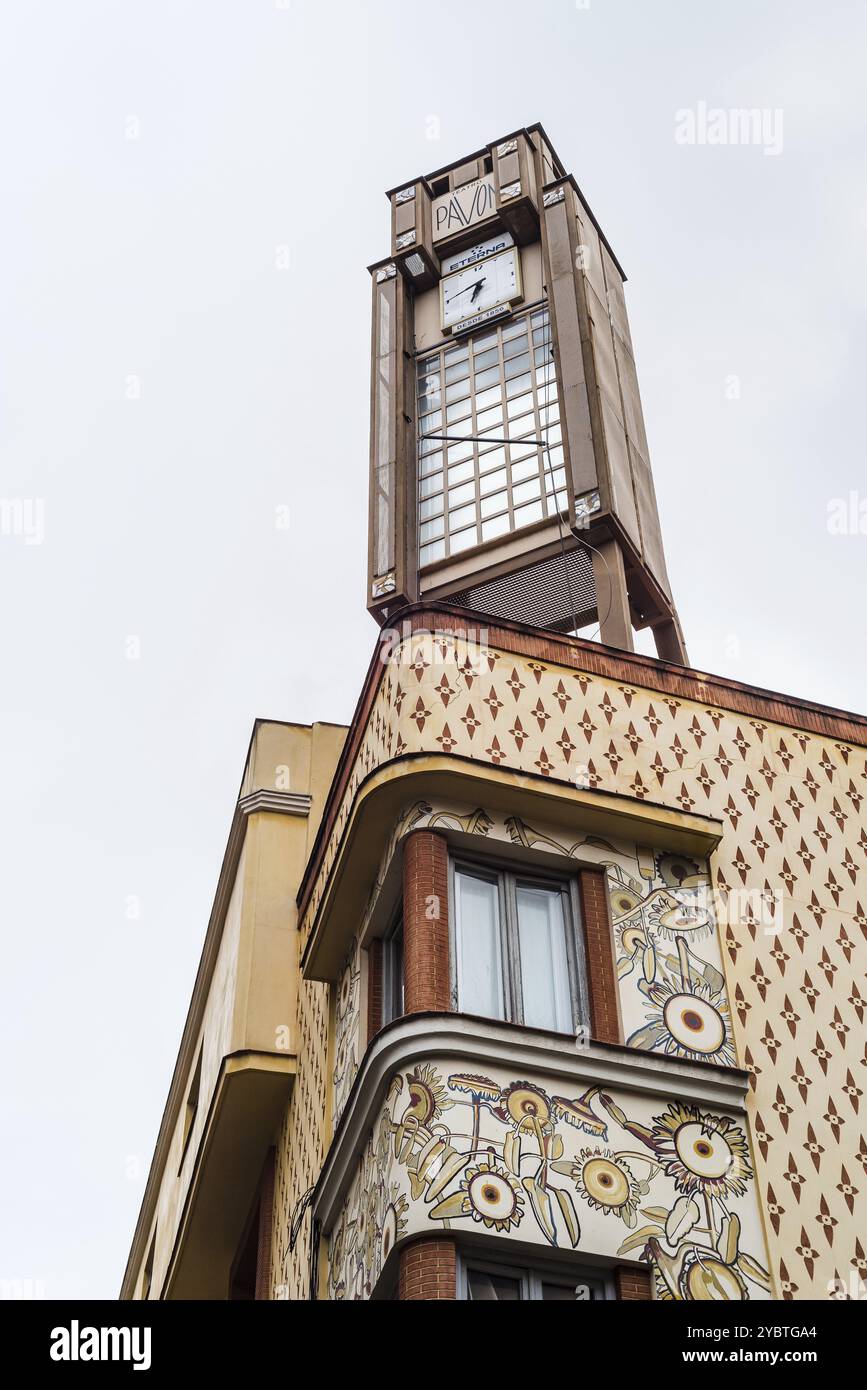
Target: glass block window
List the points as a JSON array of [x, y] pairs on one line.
[[500, 387]]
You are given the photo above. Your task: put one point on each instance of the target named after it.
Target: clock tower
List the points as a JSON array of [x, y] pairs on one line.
[[510, 469]]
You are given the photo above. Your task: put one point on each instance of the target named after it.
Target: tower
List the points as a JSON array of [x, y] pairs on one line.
[[510, 469]]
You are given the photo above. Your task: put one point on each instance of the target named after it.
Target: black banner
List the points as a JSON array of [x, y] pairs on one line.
[[218, 1338]]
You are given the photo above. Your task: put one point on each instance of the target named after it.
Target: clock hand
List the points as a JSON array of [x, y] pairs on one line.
[[476, 287], [477, 291]]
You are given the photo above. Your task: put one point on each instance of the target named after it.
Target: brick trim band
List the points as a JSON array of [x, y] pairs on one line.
[[374, 989], [633, 1285], [428, 1271], [599, 954], [426, 977], [266, 1227]]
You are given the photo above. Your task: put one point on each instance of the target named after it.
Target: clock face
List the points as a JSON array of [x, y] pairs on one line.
[[486, 284]]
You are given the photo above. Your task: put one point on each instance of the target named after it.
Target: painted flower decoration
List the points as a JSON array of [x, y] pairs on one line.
[[702, 1153], [695, 1273], [605, 1181], [579, 1114], [428, 1097], [624, 899], [694, 1023], [488, 1193], [394, 1222], [677, 871], [524, 1105], [480, 1088]]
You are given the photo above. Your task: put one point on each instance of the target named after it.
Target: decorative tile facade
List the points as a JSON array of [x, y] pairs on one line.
[[789, 876]]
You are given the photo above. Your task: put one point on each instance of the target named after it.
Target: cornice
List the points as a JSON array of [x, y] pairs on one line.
[[525, 1051]]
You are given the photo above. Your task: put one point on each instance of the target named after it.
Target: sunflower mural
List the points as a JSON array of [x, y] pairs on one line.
[[617, 1176], [672, 988], [347, 1013]]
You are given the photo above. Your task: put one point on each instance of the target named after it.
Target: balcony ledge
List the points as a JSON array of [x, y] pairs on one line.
[[420, 1037]]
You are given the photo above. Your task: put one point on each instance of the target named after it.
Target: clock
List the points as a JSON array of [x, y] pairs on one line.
[[477, 291]]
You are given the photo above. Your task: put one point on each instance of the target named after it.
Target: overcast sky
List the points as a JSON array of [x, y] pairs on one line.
[[167, 384]]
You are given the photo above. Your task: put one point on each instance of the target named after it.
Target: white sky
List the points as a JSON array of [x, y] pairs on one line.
[[263, 126]]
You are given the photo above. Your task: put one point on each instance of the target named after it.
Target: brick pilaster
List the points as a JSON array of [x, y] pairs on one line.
[[426, 978], [428, 1270], [266, 1226], [374, 988], [599, 949], [633, 1285]]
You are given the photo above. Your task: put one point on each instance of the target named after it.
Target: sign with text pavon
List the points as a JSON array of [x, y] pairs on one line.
[[464, 207]]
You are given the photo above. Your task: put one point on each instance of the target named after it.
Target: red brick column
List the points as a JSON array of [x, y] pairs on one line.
[[426, 978], [266, 1227], [428, 1270], [374, 988], [633, 1285], [599, 950]]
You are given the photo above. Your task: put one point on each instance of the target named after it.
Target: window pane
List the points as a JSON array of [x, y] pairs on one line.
[[463, 540], [526, 492], [458, 392], [518, 365], [432, 508], [519, 384], [458, 412], [492, 506], [490, 419], [464, 471], [492, 482], [392, 968], [492, 1287], [429, 487], [465, 493], [483, 360], [431, 530], [551, 1292], [430, 553], [498, 527], [529, 468], [494, 458], [480, 973], [487, 378], [463, 516], [525, 516], [458, 452], [544, 961]]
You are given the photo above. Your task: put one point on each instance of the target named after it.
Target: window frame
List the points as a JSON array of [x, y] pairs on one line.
[[392, 967], [531, 1277], [509, 876]]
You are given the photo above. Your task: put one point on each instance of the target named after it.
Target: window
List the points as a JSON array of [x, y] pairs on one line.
[[498, 386], [496, 1283], [392, 974], [517, 950]]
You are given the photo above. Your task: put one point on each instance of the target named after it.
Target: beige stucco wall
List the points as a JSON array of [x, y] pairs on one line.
[[249, 1003]]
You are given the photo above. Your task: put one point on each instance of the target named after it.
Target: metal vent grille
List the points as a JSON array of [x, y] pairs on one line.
[[540, 595]]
